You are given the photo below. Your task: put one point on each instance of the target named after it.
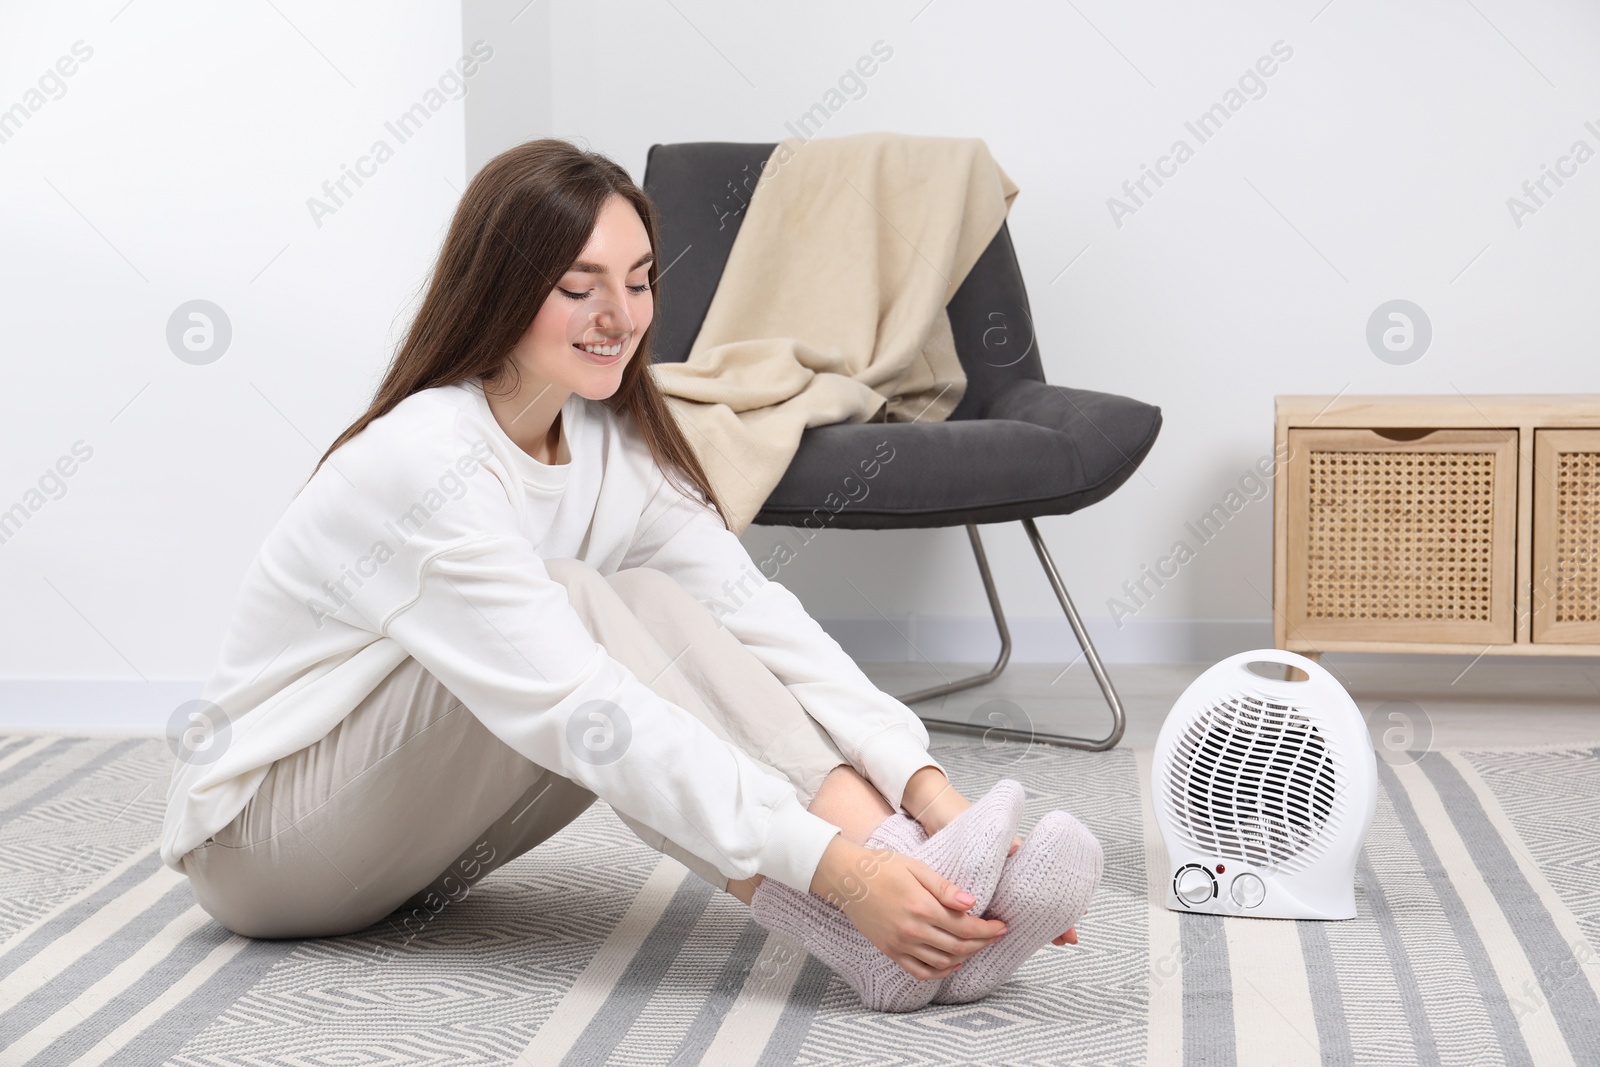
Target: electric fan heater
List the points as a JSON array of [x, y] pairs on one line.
[[1264, 791]]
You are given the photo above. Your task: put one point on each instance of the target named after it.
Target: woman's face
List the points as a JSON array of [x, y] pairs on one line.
[[590, 324]]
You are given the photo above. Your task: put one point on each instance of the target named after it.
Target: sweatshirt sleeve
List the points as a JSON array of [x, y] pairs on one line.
[[883, 739], [485, 617]]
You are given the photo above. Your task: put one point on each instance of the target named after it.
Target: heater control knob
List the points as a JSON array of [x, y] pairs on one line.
[[1248, 890], [1195, 885]]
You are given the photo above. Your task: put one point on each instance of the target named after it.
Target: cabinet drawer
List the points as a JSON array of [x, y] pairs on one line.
[[1400, 535], [1566, 536]]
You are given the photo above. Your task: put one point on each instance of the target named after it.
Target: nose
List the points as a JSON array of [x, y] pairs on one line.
[[611, 320]]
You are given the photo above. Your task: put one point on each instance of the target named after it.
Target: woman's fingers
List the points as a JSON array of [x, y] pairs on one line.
[[957, 948], [1016, 843], [943, 951], [1068, 938], [935, 960], [946, 935], [919, 918], [916, 968], [969, 927], [956, 901], [946, 892]]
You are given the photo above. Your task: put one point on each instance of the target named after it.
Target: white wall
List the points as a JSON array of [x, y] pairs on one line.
[[178, 162], [1376, 164], [177, 165]]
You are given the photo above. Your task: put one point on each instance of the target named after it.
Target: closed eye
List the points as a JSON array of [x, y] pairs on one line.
[[645, 288]]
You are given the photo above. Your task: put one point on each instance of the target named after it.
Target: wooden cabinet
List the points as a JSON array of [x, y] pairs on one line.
[[1566, 536], [1438, 524]]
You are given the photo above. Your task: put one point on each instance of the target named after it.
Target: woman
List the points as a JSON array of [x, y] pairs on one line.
[[488, 606]]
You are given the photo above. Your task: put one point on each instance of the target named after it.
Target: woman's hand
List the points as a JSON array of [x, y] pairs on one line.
[[934, 803], [916, 917]]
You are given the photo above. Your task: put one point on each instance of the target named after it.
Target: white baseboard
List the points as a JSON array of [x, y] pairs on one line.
[[117, 706], [92, 705]]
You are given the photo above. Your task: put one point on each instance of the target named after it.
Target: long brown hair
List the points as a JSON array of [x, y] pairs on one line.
[[524, 220]]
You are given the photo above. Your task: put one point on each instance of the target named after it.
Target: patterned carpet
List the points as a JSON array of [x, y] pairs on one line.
[[1479, 909]]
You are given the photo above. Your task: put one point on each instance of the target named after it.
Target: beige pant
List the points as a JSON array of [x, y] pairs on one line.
[[410, 800]]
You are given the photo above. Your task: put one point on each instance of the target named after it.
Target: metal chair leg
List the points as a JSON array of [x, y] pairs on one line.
[[999, 622], [1119, 719]]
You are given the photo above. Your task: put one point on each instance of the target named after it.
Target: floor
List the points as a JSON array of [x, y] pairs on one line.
[[1415, 702], [1475, 906], [1474, 894]]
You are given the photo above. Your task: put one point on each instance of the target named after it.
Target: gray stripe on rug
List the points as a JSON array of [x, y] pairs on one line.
[[794, 1023], [149, 989], [13, 775], [1208, 1037], [1422, 1042], [1573, 1003], [60, 785], [1327, 1003], [12, 745], [724, 991], [1513, 1046], [77, 914], [638, 982], [44, 1001], [190, 1017]]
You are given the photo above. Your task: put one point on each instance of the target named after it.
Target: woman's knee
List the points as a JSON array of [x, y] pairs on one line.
[[638, 584], [592, 595], [633, 585], [573, 573]]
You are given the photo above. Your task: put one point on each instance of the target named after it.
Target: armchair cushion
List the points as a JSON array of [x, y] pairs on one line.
[[1037, 449]]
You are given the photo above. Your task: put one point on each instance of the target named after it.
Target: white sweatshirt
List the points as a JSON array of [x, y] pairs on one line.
[[425, 535]]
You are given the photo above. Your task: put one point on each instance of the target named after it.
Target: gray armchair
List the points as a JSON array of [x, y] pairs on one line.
[[1014, 448]]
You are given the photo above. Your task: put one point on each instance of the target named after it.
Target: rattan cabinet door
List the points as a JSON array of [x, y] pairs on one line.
[[1566, 536], [1405, 536]]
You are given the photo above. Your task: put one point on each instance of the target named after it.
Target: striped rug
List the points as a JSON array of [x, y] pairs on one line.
[[1479, 912]]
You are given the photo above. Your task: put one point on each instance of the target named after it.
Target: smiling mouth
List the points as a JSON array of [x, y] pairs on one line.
[[604, 351]]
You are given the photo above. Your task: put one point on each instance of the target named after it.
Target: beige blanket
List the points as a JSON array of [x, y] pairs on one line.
[[831, 307]]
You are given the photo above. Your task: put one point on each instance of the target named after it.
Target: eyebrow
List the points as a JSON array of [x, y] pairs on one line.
[[582, 267]]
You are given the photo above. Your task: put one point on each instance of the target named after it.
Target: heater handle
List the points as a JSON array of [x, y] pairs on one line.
[[1314, 671]]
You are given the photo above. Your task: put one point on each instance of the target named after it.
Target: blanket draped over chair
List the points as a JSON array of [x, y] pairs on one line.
[[831, 306]]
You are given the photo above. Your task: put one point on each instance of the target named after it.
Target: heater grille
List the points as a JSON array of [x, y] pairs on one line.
[[1254, 781]]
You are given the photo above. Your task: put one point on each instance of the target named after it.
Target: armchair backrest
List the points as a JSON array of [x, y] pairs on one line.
[[701, 189]]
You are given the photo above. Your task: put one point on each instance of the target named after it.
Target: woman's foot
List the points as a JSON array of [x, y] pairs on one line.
[[1045, 888], [971, 849], [899, 832], [969, 852], [823, 930], [902, 833], [936, 803]]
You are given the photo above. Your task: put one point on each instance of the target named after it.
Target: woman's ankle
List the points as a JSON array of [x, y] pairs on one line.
[[744, 888], [930, 799], [851, 803], [942, 811]]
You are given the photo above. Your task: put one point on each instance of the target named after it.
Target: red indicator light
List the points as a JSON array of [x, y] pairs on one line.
[[1221, 869]]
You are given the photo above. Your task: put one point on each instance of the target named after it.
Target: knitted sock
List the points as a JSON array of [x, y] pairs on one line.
[[971, 849], [900, 832], [970, 852], [1043, 891], [823, 930]]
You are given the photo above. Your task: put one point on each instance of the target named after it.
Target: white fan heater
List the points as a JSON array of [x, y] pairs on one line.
[[1264, 790]]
